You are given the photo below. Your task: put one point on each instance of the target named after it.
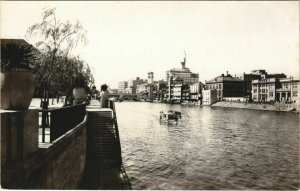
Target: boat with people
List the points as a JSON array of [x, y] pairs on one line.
[[178, 113], [170, 115]]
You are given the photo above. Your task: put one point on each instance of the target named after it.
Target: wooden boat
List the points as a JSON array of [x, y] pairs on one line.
[[176, 113], [170, 115]]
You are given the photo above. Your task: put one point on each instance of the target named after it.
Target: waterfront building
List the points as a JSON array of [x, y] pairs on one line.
[[255, 75], [151, 88], [174, 93], [209, 97], [196, 93], [132, 85], [183, 73], [122, 86], [226, 86], [185, 93], [275, 90], [160, 90]]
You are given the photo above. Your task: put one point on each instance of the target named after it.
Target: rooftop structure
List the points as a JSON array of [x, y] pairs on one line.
[[184, 73]]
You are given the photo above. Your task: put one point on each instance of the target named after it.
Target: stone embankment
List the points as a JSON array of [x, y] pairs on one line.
[[255, 106]]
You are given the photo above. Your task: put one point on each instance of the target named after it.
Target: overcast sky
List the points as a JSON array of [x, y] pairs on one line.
[[129, 39]]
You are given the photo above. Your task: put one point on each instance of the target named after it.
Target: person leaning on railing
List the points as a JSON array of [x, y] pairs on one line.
[[104, 96]]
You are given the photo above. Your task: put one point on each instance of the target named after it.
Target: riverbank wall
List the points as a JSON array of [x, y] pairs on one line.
[[56, 165], [254, 106], [86, 156]]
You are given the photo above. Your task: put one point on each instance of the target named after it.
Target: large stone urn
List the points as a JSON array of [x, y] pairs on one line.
[[17, 88], [79, 95]]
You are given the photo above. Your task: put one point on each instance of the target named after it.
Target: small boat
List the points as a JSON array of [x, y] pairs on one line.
[[178, 113], [170, 115]]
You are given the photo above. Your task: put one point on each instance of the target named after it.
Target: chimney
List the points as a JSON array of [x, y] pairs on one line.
[[226, 73]]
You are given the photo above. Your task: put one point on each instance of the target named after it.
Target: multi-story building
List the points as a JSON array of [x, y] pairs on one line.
[[174, 93], [209, 97], [122, 86], [133, 85], [196, 92], [226, 86], [275, 90], [160, 90], [183, 73], [185, 93], [255, 75], [288, 90]]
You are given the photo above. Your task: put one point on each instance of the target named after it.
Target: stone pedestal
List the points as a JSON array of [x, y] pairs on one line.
[[19, 134]]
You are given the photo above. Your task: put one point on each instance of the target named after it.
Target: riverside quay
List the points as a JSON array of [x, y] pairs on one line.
[[155, 95]]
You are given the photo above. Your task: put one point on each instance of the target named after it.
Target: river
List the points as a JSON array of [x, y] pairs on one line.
[[209, 148]]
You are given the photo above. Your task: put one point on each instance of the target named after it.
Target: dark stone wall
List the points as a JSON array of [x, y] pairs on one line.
[[59, 165], [19, 135]]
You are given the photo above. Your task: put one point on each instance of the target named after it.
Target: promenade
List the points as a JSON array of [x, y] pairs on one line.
[[103, 169]]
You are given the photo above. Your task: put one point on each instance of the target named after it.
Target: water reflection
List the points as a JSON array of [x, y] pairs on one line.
[[209, 148]]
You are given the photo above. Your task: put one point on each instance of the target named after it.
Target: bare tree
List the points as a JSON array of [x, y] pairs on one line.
[[57, 39]]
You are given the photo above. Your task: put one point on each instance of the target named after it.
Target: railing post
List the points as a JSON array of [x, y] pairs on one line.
[[44, 123]]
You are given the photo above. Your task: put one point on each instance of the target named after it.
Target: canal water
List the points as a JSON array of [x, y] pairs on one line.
[[209, 148]]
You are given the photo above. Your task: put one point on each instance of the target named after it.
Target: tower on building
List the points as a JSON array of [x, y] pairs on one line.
[[184, 61], [150, 77]]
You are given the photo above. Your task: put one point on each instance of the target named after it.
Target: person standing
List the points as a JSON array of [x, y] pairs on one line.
[[104, 96]]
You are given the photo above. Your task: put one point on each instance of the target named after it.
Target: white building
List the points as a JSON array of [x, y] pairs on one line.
[[209, 97], [275, 90], [122, 86], [196, 92]]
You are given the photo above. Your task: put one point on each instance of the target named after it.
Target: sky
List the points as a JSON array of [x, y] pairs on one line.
[[131, 38]]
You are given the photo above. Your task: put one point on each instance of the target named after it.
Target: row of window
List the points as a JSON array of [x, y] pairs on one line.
[[260, 90], [264, 85], [214, 87]]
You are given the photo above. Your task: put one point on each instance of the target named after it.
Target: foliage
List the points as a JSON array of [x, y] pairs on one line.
[[16, 55], [57, 72]]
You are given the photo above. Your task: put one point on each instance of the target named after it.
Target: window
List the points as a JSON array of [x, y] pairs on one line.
[[271, 94], [295, 93], [263, 91], [254, 90], [266, 90]]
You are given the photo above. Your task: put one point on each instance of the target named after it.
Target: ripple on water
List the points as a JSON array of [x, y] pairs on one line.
[[209, 148]]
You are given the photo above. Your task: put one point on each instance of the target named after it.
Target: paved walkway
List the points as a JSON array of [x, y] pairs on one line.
[[101, 172], [35, 103]]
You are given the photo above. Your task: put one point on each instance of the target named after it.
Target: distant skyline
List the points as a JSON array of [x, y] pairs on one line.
[[131, 38]]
